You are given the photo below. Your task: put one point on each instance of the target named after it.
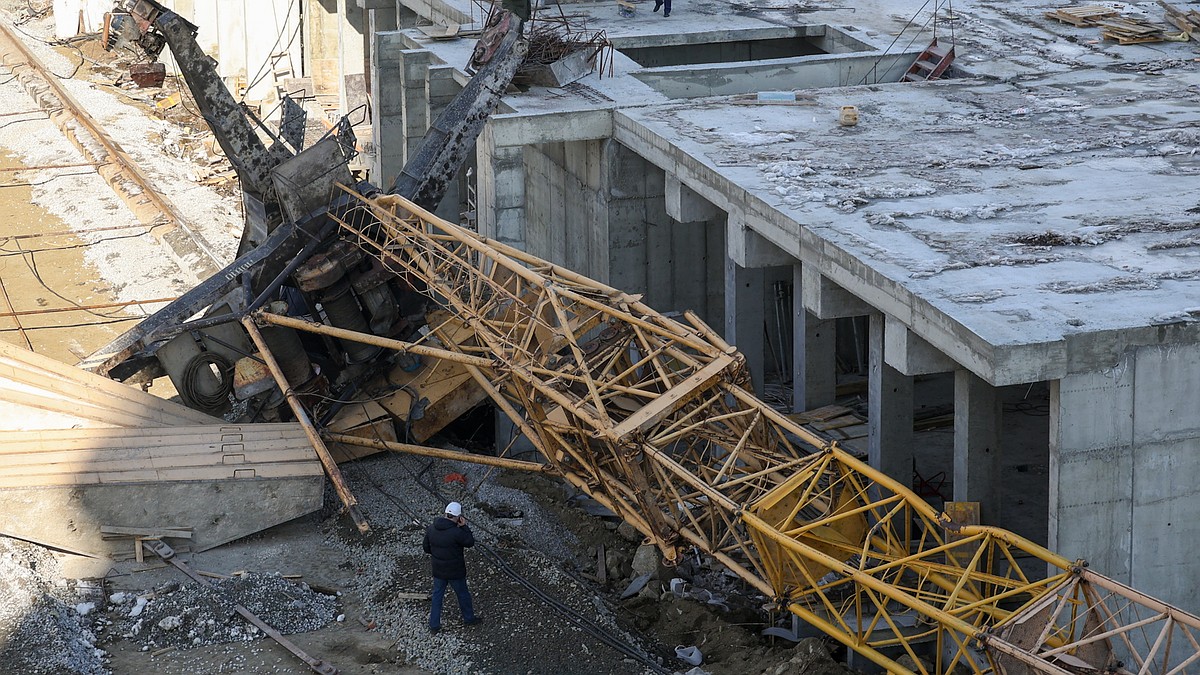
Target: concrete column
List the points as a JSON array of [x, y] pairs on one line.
[[351, 59], [889, 411], [744, 316], [387, 119], [440, 90], [378, 21], [814, 349], [414, 69], [978, 416], [501, 190]]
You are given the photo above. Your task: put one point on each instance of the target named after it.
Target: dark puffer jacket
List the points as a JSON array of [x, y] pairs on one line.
[[445, 541]]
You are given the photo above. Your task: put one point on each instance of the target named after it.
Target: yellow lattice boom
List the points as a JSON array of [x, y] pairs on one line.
[[654, 418]]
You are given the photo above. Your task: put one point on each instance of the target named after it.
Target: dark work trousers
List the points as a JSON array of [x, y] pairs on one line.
[[464, 601]]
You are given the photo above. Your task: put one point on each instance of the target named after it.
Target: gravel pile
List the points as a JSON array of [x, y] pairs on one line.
[[44, 625], [189, 615]]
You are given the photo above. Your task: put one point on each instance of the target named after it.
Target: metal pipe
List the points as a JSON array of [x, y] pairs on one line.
[[367, 338], [331, 467], [425, 451]]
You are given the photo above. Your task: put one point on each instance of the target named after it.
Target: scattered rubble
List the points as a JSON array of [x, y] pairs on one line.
[[189, 615], [45, 626]]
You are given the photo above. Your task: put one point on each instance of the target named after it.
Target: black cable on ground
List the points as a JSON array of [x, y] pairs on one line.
[[190, 390]]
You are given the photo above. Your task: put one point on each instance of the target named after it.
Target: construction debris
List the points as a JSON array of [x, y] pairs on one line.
[[1128, 31], [1187, 20], [561, 50], [46, 627], [1084, 16]]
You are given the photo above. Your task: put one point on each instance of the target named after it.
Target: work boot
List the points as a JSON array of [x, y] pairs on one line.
[[666, 14], [658, 5]]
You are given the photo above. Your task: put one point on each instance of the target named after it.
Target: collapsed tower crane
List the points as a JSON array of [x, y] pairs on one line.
[[654, 419], [649, 415]]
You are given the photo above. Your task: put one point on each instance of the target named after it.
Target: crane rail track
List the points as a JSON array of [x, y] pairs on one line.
[[112, 162]]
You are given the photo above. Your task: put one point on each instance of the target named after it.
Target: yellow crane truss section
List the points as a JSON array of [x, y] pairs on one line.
[[653, 417]]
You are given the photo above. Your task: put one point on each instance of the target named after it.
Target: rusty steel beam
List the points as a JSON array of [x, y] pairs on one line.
[[164, 551], [314, 437], [410, 449]]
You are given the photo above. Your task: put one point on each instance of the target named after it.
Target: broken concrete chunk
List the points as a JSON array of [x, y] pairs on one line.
[[647, 560]]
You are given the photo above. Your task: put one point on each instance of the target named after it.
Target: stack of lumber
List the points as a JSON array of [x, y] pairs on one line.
[[1086, 15], [1129, 31], [192, 453], [1187, 21]]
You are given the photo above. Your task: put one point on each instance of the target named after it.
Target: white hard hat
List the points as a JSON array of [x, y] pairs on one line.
[[454, 509]]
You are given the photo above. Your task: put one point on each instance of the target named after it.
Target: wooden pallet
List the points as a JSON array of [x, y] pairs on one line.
[[1084, 16], [1129, 31]]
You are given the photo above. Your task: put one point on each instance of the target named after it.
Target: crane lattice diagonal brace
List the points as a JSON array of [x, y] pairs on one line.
[[654, 419]]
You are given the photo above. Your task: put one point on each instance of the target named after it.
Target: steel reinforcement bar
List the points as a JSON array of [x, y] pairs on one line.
[[653, 418]]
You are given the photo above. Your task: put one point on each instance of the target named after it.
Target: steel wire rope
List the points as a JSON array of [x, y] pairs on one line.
[[30, 260], [190, 389]]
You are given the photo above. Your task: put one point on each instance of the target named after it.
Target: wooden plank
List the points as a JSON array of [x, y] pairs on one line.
[[677, 396], [188, 474], [265, 429], [102, 463], [161, 532], [819, 414], [59, 404], [13, 356], [147, 439]]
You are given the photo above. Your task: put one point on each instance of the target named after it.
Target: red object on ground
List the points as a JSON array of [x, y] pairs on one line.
[[455, 477], [147, 74]]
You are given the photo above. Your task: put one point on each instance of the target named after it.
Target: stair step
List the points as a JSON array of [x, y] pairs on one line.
[[938, 51], [926, 65]]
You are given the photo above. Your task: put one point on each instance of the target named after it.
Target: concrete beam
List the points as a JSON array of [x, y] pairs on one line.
[[827, 300], [978, 419], [909, 354], [750, 249], [686, 205], [889, 411], [414, 68], [551, 127]]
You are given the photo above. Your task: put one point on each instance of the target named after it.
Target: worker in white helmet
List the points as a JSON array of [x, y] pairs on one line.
[[445, 540]]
